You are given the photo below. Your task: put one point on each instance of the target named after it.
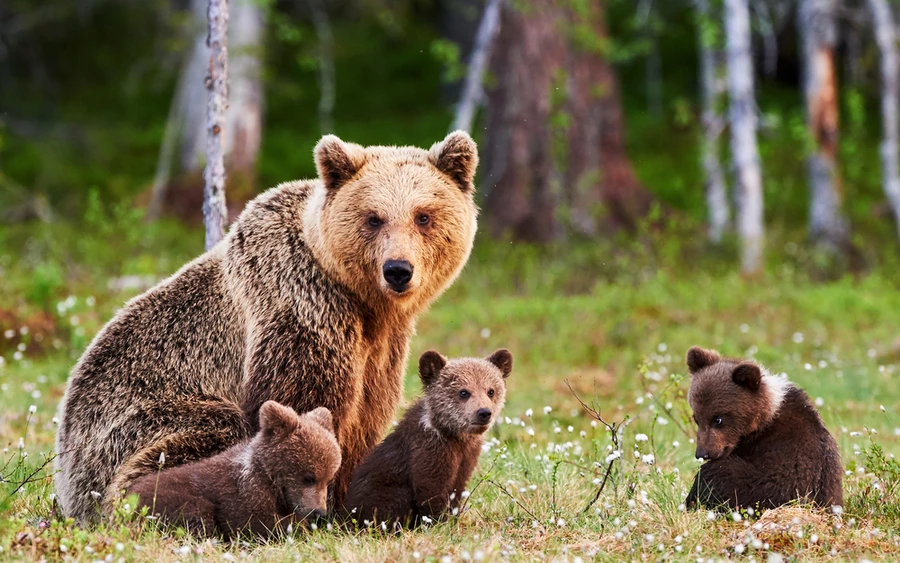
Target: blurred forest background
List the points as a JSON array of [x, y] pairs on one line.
[[728, 120]]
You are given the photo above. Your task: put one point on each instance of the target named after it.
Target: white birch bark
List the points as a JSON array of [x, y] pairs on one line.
[[711, 121], [886, 37], [742, 115], [472, 93], [818, 29], [215, 214]]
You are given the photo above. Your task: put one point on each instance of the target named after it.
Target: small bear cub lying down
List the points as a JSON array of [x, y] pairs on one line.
[[764, 440], [421, 469], [278, 477]]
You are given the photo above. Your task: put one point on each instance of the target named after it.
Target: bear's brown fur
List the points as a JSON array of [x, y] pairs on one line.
[[310, 300], [422, 468], [764, 440], [279, 477]]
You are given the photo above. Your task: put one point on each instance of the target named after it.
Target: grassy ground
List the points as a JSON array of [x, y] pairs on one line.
[[613, 320]]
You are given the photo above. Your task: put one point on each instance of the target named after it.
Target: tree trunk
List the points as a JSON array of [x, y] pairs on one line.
[[711, 121], [215, 215], [182, 195], [742, 115], [522, 178], [818, 29], [322, 23], [886, 37], [473, 92]]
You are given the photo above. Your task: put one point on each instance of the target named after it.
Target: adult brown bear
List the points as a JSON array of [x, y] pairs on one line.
[[310, 301]]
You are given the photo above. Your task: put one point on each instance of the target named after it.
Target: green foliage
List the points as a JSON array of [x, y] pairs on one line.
[[446, 53]]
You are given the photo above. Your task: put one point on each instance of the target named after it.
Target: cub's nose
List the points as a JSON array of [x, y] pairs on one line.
[[484, 415], [397, 273], [316, 514], [701, 454]]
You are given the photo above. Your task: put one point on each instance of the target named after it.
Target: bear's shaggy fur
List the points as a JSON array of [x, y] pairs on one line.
[[310, 301], [422, 468], [764, 440], [279, 477]]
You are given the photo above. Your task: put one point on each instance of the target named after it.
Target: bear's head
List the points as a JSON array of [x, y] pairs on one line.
[[394, 224], [298, 455], [464, 395], [730, 399]]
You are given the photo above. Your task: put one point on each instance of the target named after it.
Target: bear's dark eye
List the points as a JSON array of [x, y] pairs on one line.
[[717, 421], [375, 221], [422, 219], [309, 480], [491, 393], [464, 394]]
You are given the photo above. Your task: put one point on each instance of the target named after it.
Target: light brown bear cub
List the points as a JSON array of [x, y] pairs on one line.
[[764, 440], [278, 477], [421, 470]]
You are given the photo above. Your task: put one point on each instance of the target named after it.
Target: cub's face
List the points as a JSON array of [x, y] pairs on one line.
[[465, 395], [396, 223], [300, 455], [727, 400]]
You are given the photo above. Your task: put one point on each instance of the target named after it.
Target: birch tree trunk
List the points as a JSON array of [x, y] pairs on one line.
[[742, 115], [711, 121], [215, 214], [886, 37], [816, 20], [472, 92]]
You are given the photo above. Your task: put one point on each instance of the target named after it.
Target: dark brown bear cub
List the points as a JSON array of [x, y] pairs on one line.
[[421, 470], [764, 440], [278, 477]]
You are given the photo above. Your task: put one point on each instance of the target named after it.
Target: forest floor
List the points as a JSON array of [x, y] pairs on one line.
[[612, 326]]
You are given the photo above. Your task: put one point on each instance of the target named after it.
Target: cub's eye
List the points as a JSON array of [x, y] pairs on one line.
[[422, 219], [464, 394], [491, 393], [309, 480], [717, 421], [375, 221]]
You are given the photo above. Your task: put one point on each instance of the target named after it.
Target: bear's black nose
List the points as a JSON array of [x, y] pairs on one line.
[[484, 415], [397, 273], [701, 454], [316, 514]]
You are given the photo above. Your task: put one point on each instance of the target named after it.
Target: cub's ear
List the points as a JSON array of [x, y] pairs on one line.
[[747, 375], [322, 417], [699, 358], [337, 161], [502, 358], [277, 419], [430, 365], [457, 157]]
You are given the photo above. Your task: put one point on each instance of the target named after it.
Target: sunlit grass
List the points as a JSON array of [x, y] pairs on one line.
[[617, 334]]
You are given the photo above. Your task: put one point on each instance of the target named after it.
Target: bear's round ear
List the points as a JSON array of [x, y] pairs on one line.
[[503, 359], [337, 161], [430, 365], [457, 157], [699, 358], [747, 375], [277, 419], [322, 417]]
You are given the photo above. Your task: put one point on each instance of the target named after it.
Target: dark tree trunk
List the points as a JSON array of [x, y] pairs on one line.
[[521, 179], [555, 148]]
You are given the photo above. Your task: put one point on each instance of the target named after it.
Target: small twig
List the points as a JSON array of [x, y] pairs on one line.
[[514, 499], [29, 479], [478, 484], [613, 429]]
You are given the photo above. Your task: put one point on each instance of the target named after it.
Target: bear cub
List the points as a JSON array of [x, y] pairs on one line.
[[421, 469], [764, 441], [278, 477]]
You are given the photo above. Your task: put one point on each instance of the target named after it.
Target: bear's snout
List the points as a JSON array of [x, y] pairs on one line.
[[483, 416], [397, 273], [701, 453]]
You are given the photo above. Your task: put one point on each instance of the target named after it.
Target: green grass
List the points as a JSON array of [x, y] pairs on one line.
[[612, 319]]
